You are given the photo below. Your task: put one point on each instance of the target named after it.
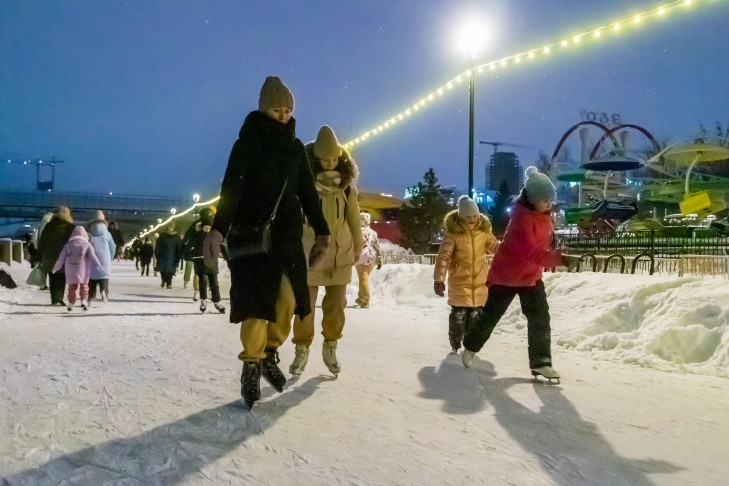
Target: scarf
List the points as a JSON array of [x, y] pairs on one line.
[[328, 181]]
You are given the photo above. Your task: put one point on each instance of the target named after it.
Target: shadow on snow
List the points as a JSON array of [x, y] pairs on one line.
[[567, 446], [169, 453]]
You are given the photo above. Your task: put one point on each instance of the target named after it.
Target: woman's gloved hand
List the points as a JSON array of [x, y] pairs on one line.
[[317, 251]]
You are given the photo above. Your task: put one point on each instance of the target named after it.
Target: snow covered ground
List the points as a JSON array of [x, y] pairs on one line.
[[144, 390]]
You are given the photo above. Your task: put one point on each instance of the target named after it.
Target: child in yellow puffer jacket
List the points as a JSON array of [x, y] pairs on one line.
[[464, 256]]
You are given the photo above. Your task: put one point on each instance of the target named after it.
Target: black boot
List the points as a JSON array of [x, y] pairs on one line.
[[271, 372], [250, 382]]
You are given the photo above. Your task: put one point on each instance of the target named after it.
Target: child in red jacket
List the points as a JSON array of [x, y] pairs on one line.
[[526, 249]]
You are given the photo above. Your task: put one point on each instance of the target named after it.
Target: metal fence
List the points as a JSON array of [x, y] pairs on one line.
[[682, 241]]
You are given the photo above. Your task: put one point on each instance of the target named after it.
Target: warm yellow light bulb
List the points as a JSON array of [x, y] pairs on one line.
[[687, 2], [430, 97], [577, 39], [517, 59], [616, 26], [400, 117], [564, 43], [440, 91], [661, 11], [503, 63], [458, 79], [531, 55], [636, 19], [492, 66], [546, 50], [597, 33]]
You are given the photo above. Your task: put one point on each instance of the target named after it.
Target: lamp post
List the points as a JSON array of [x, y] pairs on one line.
[[471, 41]]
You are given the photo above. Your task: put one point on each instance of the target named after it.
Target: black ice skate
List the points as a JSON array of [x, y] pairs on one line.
[[270, 370], [250, 382]]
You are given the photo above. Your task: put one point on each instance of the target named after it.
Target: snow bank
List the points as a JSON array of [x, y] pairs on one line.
[[662, 322]]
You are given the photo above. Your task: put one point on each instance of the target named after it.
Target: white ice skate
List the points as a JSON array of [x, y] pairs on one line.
[[547, 372]]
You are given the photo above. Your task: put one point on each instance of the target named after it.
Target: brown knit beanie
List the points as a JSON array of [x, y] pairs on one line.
[[274, 94], [326, 145]]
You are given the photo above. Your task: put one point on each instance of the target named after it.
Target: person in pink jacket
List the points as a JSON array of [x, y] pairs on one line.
[[527, 248], [76, 258]]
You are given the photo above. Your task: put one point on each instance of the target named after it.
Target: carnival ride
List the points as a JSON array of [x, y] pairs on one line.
[[618, 184]]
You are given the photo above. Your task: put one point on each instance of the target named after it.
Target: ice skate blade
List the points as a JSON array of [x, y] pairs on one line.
[[553, 380]]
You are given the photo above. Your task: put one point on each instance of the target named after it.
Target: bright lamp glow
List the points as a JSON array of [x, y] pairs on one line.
[[472, 39], [195, 197]]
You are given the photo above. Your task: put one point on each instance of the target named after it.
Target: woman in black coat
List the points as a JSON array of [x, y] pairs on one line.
[[168, 252], [55, 234], [267, 288]]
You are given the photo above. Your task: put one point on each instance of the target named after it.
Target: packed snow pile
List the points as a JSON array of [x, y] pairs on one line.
[[661, 322]]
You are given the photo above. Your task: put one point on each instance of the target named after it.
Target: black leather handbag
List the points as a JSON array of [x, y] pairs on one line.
[[249, 240]]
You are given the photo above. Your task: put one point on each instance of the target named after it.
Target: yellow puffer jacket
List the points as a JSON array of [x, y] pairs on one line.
[[465, 257]]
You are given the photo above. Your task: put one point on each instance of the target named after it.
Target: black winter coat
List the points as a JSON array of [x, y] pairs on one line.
[[168, 252], [55, 234], [146, 252], [265, 154]]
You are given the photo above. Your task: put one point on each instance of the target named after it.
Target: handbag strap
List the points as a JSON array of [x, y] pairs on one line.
[[280, 196]]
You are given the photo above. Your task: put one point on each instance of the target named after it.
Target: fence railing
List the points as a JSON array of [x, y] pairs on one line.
[[677, 241]]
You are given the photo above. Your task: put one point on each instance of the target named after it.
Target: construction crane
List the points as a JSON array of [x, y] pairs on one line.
[[44, 183], [497, 144]]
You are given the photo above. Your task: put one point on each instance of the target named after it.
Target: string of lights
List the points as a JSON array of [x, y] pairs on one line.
[[525, 56]]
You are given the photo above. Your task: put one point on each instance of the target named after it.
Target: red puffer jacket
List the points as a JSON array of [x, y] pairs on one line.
[[526, 248]]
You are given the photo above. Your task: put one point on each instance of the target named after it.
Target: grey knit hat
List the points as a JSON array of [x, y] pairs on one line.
[[274, 94], [538, 186], [467, 207]]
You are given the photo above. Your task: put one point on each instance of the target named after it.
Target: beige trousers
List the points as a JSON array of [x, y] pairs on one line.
[[363, 273], [258, 334], [332, 321]]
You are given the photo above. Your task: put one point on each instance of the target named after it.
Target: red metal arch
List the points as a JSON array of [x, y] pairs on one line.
[[610, 132], [575, 127]]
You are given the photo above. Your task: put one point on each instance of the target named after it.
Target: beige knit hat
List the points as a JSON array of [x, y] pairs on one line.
[[100, 218], [326, 145], [274, 94]]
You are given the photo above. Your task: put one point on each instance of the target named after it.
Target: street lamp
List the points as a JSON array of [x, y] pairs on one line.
[[471, 41]]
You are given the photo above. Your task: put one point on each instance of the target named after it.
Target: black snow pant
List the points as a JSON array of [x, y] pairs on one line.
[[57, 284], [102, 283], [204, 279], [458, 320], [533, 305], [167, 278]]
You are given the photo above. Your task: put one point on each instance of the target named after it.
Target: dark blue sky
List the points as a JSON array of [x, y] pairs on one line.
[[144, 97]]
